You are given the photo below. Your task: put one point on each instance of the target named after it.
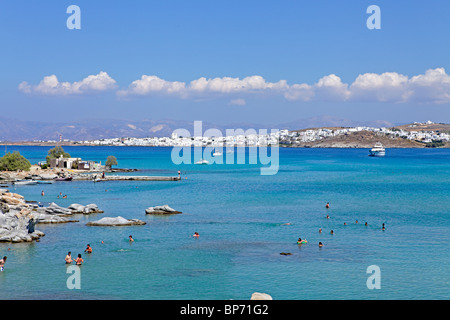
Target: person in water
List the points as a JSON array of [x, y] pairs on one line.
[[301, 241], [130, 238], [327, 205], [331, 232], [2, 263], [382, 228], [79, 260], [320, 245], [88, 249], [196, 234], [69, 258]]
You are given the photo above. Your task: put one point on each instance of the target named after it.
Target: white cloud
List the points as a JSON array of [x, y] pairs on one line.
[[386, 87], [50, 85], [153, 84], [431, 87], [331, 88]]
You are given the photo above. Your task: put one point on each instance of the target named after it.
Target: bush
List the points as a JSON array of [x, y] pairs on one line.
[[14, 161], [435, 144]]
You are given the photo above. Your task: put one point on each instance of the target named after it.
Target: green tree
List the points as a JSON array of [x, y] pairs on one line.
[[14, 161], [56, 152], [111, 161]]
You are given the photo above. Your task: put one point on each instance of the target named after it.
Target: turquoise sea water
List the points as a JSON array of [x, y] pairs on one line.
[[241, 217]]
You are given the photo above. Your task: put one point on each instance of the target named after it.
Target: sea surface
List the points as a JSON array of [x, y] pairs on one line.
[[245, 220]]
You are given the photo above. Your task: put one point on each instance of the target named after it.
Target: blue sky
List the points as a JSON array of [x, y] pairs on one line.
[[225, 61]]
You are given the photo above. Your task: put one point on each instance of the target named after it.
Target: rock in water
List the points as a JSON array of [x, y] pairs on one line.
[[116, 222], [260, 296], [165, 209]]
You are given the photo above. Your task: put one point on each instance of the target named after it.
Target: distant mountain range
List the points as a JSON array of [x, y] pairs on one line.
[[19, 130]]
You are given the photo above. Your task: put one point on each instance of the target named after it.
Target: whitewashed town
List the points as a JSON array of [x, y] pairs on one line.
[[252, 137]]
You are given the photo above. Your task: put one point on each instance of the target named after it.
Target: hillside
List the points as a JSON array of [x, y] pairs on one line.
[[362, 139]]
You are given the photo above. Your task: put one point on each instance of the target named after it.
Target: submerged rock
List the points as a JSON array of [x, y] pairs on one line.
[[165, 209], [116, 222], [260, 296]]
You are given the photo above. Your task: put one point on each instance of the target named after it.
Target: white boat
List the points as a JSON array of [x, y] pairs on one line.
[[25, 182], [377, 150], [203, 161], [44, 181]]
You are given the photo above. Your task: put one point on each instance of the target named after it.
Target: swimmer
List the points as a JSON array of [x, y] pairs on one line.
[[345, 223], [356, 221], [331, 232], [130, 238], [88, 249], [328, 217], [382, 228], [320, 245], [300, 241], [65, 196], [320, 230], [42, 193], [196, 234], [69, 258], [366, 224], [79, 260], [327, 205], [2, 263]]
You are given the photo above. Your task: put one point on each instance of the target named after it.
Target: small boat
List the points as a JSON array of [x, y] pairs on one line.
[[64, 179], [203, 161], [44, 181], [25, 182], [377, 150], [217, 153]]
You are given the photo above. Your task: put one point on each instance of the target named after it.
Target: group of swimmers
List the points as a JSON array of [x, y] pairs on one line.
[[301, 241], [79, 260], [59, 195]]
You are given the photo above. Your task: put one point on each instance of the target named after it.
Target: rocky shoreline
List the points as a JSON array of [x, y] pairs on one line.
[[18, 218]]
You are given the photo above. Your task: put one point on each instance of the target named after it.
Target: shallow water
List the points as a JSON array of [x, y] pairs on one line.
[[241, 217]]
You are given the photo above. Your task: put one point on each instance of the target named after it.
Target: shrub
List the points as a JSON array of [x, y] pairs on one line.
[[14, 161]]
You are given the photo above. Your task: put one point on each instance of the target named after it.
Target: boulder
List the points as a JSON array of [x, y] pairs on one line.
[[116, 222], [90, 208], [42, 217], [165, 209], [17, 225], [53, 208], [260, 296], [5, 198], [47, 176]]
